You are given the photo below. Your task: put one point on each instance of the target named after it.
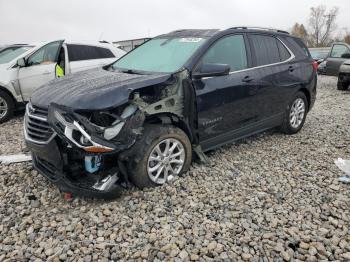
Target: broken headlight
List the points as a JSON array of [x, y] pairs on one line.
[[89, 131]]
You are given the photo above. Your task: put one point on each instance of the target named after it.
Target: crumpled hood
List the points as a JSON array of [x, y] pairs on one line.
[[94, 89]]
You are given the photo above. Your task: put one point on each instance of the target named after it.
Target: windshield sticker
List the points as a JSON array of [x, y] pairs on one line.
[[191, 40]]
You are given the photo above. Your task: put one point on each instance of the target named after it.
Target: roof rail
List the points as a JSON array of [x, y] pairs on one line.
[[260, 28]]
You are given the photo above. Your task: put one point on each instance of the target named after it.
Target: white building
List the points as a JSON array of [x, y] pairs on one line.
[[128, 45]]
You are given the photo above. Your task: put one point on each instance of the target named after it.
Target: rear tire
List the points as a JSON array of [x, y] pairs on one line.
[[7, 106], [295, 114], [149, 152], [342, 85]]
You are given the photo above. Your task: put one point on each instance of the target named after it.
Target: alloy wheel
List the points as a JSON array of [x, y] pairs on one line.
[[3, 108], [297, 113], [166, 161]]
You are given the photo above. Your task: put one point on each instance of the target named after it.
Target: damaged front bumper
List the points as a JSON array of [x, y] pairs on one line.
[[88, 152], [108, 189], [75, 157]]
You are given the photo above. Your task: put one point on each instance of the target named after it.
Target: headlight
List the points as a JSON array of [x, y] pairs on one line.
[[85, 134]]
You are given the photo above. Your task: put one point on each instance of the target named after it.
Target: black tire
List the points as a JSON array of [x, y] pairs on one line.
[[287, 127], [141, 150], [10, 106], [342, 85]]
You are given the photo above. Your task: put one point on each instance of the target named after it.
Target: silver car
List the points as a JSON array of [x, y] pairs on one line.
[[340, 52]]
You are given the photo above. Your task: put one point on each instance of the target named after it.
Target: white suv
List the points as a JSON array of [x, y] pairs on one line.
[[21, 76]]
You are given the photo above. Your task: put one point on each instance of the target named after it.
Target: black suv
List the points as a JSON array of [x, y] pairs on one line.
[[141, 118]]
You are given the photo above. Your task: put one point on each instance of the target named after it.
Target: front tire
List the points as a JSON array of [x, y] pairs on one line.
[[295, 114], [162, 153], [6, 107]]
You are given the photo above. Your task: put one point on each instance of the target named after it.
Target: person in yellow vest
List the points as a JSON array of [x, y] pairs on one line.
[[59, 71], [60, 65]]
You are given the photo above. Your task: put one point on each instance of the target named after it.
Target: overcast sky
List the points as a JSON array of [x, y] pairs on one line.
[[25, 21]]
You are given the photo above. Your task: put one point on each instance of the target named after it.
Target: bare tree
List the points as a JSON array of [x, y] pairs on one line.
[[299, 30], [347, 36], [322, 25], [347, 39]]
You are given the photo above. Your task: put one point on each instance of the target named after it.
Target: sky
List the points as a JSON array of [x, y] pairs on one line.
[[26, 21]]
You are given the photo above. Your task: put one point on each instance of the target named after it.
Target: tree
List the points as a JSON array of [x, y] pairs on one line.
[[347, 36], [300, 31], [347, 39], [322, 25]]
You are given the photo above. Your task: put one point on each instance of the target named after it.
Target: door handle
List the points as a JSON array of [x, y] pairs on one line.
[[47, 72], [247, 79], [291, 68]]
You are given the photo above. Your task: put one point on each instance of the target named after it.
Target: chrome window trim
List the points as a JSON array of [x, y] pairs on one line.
[[292, 56]]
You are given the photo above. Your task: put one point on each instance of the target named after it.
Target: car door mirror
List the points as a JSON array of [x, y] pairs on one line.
[[210, 70], [21, 62], [346, 55]]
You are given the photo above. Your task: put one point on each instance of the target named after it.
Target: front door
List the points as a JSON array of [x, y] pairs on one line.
[[40, 69], [225, 103], [335, 60]]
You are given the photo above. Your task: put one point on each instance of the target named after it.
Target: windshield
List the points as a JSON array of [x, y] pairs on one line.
[[10, 53], [160, 55]]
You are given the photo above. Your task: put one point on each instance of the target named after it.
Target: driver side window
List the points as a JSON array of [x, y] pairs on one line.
[[339, 50], [229, 50], [45, 55]]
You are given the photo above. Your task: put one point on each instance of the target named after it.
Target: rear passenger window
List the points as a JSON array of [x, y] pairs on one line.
[[297, 46], [229, 50], [265, 49], [284, 53], [84, 52]]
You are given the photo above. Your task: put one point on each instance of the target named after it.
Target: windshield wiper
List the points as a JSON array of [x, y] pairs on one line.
[[130, 71]]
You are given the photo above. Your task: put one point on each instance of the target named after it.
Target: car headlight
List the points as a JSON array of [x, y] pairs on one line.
[[84, 132]]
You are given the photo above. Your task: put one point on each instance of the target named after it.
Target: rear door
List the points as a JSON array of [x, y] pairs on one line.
[[40, 68], [335, 60], [225, 103], [273, 73], [83, 57]]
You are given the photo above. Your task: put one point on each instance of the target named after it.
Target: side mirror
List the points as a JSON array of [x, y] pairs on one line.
[[346, 55], [21, 62], [210, 70]]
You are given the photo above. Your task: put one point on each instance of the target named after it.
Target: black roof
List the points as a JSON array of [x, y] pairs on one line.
[[207, 33]]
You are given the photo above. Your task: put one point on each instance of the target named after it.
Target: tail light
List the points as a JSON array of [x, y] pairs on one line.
[[315, 65]]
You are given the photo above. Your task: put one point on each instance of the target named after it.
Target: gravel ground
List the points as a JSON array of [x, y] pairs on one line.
[[270, 197]]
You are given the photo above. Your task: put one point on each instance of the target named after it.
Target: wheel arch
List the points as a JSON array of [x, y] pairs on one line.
[[10, 94], [307, 94], [169, 118]]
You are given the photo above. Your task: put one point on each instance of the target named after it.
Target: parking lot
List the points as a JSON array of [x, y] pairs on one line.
[[271, 196]]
